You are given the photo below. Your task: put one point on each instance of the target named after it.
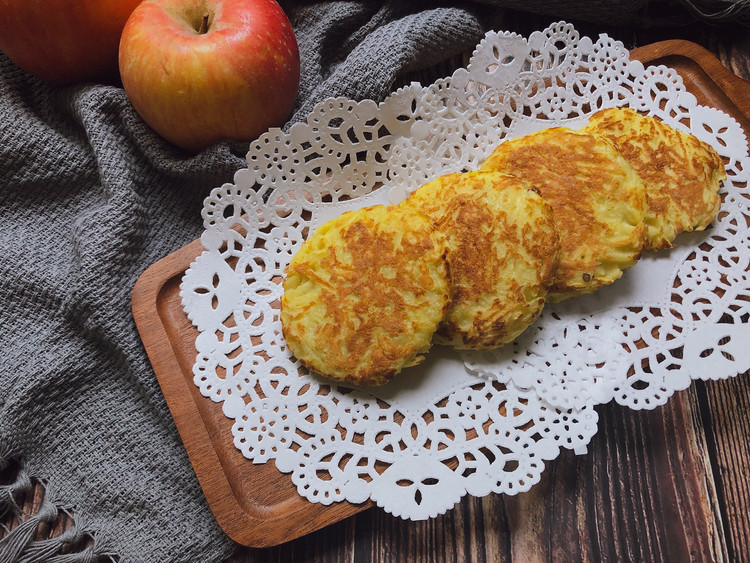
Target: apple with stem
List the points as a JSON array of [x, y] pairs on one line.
[[65, 41], [202, 71]]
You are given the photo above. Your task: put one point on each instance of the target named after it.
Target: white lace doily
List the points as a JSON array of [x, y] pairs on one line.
[[461, 422]]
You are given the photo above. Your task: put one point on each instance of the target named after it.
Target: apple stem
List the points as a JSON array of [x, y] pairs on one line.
[[204, 25]]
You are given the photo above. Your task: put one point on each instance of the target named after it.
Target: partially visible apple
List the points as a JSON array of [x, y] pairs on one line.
[[201, 71], [64, 41]]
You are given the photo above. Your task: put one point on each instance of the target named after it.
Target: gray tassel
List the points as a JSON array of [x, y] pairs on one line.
[[20, 486], [21, 545], [85, 556], [43, 551], [98, 552], [13, 545]]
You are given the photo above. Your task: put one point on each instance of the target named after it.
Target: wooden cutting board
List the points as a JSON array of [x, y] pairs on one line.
[[256, 505]]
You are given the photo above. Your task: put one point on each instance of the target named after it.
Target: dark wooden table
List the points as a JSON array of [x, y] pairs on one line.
[[671, 484]]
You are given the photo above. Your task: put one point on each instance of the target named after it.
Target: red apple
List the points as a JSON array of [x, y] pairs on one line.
[[64, 41], [200, 71]]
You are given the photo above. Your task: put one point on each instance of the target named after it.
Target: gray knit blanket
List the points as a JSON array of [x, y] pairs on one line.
[[89, 198]]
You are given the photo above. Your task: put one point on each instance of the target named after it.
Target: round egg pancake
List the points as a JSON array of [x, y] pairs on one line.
[[597, 197], [503, 249], [365, 293], [682, 174]]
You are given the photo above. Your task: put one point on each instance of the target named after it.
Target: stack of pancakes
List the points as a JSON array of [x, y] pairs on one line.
[[469, 259]]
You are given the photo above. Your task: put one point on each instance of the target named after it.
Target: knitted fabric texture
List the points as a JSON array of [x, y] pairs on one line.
[[90, 198]]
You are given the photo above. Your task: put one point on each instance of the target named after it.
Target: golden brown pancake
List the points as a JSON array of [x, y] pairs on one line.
[[365, 293], [682, 174], [503, 249], [597, 197]]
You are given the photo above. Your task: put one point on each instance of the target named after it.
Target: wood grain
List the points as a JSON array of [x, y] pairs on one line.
[[254, 504], [725, 407], [671, 484]]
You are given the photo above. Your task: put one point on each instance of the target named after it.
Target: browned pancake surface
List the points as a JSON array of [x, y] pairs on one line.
[[682, 174], [597, 197], [503, 251], [365, 293]]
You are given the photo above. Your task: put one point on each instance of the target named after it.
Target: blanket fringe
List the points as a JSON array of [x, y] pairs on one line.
[[31, 537]]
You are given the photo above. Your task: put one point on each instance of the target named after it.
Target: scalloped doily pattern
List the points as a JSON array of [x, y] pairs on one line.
[[470, 422]]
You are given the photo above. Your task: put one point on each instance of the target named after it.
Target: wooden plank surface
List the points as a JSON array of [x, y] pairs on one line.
[[671, 484], [254, 504]]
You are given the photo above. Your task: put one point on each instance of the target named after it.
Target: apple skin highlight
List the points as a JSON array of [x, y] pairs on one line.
[[202, 72], [65, 41]]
